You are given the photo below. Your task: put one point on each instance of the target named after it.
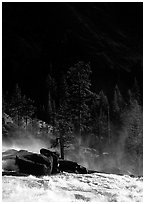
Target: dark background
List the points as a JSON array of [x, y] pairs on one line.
[[47, 38]]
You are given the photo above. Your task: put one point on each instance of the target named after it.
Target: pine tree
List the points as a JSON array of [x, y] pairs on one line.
[[136, 91], [73, 115], [28, 109], [63, 129], [133, 122], [5, 103], [133, 125], [104, 119], [118, 106], [21, 107], [78, 95], [50, 107], [118, 101], [16, 105], [94, 108]]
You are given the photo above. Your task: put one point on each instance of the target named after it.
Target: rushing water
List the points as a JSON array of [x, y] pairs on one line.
[[73, 187]]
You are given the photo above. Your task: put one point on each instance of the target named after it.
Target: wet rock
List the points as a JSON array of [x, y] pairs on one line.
[[45, 163], [55, 157], [81, 170], [34, 164], [71, 167], [9, 160], [9, 154]]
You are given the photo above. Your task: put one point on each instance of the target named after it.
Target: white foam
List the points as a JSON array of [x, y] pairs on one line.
[[73, 187]]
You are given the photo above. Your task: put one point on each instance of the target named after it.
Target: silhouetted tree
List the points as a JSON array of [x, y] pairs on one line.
[[20, 107], [118, 101], [133, 123], [51, 90], [28, 109], [104, 120], [136, 91], [5, 103], [16, 104], [63, 128], [74, 113], [94, 122], [78, 95], [118, 106]]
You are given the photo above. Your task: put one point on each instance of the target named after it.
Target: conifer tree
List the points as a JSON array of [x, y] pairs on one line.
[[118, 106], [28, 109], [133, 122], [136, 91], [50, 107], [5, 103], [63, 129], [73, 115], [20, 107], [78, 96], [16, 105], [118, 103], [94, 108], [104, 119]]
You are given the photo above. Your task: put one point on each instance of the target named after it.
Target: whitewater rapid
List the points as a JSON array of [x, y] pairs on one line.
[[69, 187]]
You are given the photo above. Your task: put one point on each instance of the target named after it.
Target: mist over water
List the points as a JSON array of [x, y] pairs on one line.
[[67, 186], [25, 140], [112, 160]]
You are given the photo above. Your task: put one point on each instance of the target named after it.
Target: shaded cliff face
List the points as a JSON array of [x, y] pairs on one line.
[[42, 38]]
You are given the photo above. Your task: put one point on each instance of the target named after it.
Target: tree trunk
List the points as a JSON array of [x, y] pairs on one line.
[[100, 131], [109, 135], [18, 118], [61, 146], [26, 120], [49, 108]]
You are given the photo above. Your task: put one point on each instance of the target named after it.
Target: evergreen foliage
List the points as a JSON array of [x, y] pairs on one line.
[[118, 106], [136, 91], [50, 107], [78, 96], [104, 120], [82, 113], [133, 121], [118, 101], [74, 113], [19, 107]]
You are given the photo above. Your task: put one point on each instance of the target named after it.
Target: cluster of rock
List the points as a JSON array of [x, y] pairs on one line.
[[45, 163]]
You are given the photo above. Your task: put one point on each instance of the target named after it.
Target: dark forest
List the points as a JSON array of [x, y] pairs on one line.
[[72, 80]]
